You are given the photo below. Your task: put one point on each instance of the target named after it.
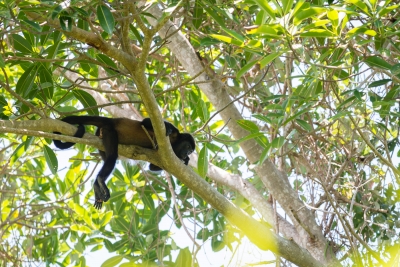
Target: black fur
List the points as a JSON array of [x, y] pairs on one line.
[[114, 131]]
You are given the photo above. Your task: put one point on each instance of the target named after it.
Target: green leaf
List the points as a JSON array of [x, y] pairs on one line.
[[202, 110], [361, 5], [217, 242], [248, 125], [227, 39], [152, 225], [259, 137], [106, 60], [202, 164], [108, 245], [2, 63], [56, 11], [278, 142], [46, 82], [184, 258], [81, 228], [388, 9], [66, 23], [32, 24], [3, 101], [82, 212], [122, 243], [379, 83], [333, 16], [378, 62], [148, 202], [246, 68], [358, 95], [18, 152], [254, 46], [21, 44], [208, 41], [106, 19], [217, 18], [87, 101], [261, 18], [317, 33], [287, 6], [346, 103], [26, 81], [360, 30], [268, 59], [113, 261], [395, 70], [53, 50], [264, 154], [28, 142], [304, 125], [121, 225], [340, 115], [265, 30], [266, 7], [393, 92], [136, 33], [251, 136], [51, 159], [301, 112], [303, 14], [106, 218], [316, 24], [198, 12], [300, 6], [235, 35], [110, 66], [274, 107]]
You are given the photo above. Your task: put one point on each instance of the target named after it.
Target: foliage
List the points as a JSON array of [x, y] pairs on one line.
[[317, 83]]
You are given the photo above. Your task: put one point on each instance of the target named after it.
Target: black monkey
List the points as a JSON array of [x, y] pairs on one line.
[[126, 132]]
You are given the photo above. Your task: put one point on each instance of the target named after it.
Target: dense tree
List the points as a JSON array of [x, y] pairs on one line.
[[294, 106]]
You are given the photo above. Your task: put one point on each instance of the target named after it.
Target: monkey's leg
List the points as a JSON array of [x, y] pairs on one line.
[[110, 142], [169, 128]]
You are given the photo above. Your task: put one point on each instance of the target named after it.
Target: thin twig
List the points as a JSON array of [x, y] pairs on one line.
[[151, 139]]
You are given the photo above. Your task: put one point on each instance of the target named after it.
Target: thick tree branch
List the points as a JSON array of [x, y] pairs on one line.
[[276, 182], [45, 127]]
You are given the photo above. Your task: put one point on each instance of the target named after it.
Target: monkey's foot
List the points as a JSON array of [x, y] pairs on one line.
[[98, 204], [101, 194]]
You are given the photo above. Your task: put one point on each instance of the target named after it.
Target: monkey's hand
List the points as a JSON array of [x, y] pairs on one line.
[[186, 160], [101, 193]]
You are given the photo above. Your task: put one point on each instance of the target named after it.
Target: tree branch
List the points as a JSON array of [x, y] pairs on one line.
[[275, 181], [41, 128]]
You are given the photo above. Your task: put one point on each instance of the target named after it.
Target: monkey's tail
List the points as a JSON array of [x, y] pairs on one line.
[[81, 120], [64, 145], [88, 120]]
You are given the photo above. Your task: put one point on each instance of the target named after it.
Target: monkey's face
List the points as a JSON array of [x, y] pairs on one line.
[[184, 146], [183, 149]]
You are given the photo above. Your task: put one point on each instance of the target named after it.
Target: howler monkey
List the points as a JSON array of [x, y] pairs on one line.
[[126, 132]]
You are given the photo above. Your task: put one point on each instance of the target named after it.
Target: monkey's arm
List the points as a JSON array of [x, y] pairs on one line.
[[169, 128]]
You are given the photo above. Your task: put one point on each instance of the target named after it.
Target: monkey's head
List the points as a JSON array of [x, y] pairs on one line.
[[184, 146]]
